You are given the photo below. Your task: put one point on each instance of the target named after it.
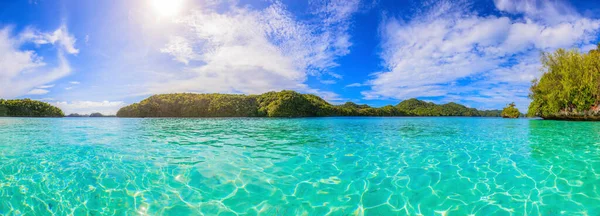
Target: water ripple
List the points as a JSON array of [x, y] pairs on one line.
[[313, 166]]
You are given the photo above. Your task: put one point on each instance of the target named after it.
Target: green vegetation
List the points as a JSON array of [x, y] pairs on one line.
[[193, 105], [292, 104], [3, 110], [510, 111], [569, 88], [28, 108], [415, 107], [281, 104]]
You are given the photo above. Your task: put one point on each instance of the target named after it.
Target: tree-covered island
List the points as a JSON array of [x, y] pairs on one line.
[[510, 111], [28, 108], [569, 89], [282, 104]]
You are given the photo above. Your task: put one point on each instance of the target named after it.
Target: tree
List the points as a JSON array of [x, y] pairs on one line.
[[569, 87], [510, 111]]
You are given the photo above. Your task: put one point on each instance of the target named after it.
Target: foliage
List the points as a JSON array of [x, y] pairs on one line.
[[281, 104], [28, 108], [292, 104], [193, 105], [570, 85], [489, 113], [3, 110], [510, 111], [415, 107]]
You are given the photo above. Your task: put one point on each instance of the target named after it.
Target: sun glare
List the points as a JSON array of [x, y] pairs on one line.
[[167, 8]]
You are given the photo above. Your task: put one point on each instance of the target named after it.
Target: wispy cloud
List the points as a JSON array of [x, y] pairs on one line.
[[181, 50], [554, 11], [38, 91], [21, 69], [355, 85], [328, 81], [46, 86], [252, 51], [438, 51], [60, 37]]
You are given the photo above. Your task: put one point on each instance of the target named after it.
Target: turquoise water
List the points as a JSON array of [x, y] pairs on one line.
[[312, 166]]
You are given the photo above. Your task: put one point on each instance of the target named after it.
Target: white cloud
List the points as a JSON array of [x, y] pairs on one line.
[[326, 95], [74, 82], [553, 11], [38, 91], [437, 52], [242, 50], [87, 107], [21, 70], [14, 61], [180, 49], [354, 85], [60, 37], [46, 86]]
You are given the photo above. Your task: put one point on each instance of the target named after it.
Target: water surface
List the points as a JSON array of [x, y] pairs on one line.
[[314, 166]]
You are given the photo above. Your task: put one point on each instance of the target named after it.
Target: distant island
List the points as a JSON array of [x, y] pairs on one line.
[[28, 108], [282, 104], [96, 114], [570, 87]]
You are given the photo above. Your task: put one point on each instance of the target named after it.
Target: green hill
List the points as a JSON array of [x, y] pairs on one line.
[[28, 108], [415, 107], [281, 104]]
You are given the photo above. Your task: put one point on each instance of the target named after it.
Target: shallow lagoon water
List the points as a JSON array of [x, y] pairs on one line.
[[313, 166]]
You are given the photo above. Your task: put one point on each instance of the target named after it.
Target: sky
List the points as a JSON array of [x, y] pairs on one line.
[[96, 56]]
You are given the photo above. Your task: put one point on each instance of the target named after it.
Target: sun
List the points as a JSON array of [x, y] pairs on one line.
[[167, 8]]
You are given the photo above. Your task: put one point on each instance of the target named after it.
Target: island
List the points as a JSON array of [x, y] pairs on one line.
[[569, 89], [96, 114], [510, 111], [28, 108], [283, 104]]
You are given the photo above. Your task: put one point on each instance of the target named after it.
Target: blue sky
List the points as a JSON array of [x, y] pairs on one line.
[[97, 56]]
